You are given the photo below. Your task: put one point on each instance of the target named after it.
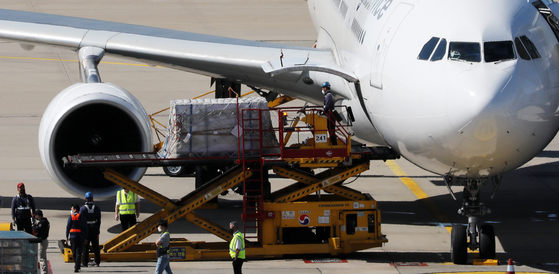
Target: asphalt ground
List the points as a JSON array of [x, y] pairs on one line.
[[415, 203]]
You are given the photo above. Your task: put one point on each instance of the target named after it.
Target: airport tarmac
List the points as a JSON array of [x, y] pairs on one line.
[[524, 209]]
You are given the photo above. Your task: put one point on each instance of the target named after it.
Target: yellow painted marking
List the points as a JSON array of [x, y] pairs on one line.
[[485, 262], [489, 272], [202, 95], [418, 192], [250, 92]]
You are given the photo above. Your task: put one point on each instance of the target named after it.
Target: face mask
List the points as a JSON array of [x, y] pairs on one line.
[[159, 229], [323, 92], [71, 212]]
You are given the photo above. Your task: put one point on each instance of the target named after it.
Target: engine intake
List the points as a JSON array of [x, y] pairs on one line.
[[92, 118]]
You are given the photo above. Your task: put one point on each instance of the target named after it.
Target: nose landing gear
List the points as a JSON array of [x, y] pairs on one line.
[[482, 237]]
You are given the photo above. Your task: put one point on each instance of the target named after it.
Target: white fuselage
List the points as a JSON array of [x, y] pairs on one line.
[[453, 115]]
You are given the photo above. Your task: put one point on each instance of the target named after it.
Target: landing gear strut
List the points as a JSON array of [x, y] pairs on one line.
[[482, 237]]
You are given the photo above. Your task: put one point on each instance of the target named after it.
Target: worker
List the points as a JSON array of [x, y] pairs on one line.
[[163, 257], [237, 248], [76, 233], [128, 207], [328, 111], [41, 229], [92, 215], [23, 209]]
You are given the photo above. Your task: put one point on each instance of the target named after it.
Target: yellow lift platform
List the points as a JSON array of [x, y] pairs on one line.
[[316, 214]]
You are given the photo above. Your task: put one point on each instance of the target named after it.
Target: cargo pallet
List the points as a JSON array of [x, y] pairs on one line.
[[295, 220]]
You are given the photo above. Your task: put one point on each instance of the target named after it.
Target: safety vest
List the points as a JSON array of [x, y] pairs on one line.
[[238, 236], [23, 209], [90, 216], [75, 224], [127, 205], [162, 250]]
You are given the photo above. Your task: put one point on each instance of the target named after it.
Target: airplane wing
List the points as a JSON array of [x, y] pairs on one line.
[[265, 65]]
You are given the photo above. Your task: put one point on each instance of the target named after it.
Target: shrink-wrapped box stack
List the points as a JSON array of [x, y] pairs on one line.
[[209, 128]]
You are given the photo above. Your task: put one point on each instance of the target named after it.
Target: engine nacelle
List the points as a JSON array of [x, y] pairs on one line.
[[92, 118]]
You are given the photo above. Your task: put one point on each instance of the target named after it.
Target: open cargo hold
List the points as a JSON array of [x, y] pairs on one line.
[[208, 127]]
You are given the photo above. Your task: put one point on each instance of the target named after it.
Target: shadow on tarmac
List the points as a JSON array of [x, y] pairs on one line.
[[524, 214], [62, 206]]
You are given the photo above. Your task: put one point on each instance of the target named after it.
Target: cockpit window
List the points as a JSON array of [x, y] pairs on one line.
[[498, 51], [464, 51], [428, 48], [521, 50], [530, 47], [440, 51]]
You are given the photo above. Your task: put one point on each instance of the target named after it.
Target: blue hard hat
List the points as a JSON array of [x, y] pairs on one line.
[[88, 195], [325, 84]]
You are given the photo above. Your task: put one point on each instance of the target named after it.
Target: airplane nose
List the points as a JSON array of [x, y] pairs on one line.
[[491, 134], [474, 94], [500, 117]]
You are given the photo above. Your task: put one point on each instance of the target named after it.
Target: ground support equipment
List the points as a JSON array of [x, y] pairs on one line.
[[316, 214]]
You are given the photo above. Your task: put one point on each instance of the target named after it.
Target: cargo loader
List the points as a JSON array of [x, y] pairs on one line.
[[316, 214]]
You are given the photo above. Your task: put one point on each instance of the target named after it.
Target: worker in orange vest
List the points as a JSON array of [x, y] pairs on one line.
[[76, 232]]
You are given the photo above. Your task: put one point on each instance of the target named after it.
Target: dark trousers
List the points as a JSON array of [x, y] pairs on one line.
[[127, 221], [24, 224], [332, 128], [77, 246], [238, 265], [92, 238]]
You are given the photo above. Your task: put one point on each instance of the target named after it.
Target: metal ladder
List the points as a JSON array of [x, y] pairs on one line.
[[251, 156]]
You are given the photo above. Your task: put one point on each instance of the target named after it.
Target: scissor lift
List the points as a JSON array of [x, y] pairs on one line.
[[297, 219]]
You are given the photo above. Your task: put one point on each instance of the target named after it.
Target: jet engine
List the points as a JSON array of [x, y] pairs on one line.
[[92, 118]]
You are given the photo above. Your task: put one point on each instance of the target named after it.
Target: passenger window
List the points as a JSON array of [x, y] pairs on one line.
[[498, 51], [440, 51], [530, 47], [464, 51], [521, 50], [428, 48]]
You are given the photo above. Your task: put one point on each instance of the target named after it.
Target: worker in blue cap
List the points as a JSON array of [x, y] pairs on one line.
[[328, 111], [93, 216]]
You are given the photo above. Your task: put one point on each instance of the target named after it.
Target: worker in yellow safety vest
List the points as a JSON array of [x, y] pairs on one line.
[[237, 248], [128, 207]]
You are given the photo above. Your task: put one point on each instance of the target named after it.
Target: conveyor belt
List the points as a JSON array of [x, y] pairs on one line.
[[136, 159], [152, 159]]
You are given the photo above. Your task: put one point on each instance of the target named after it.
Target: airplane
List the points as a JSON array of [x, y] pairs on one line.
[[467, 90]]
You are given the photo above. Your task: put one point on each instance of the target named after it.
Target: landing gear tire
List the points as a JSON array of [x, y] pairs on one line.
[[173, 171], [486, 242], [459, 245]]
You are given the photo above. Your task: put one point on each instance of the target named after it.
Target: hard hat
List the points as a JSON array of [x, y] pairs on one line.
[[20, 185], [88, 195], [325, 84]]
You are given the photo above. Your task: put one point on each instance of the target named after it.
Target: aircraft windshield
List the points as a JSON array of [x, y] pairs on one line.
[[498, 51], [532, 50], [428, 48], [464, 51], [440, 51]]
